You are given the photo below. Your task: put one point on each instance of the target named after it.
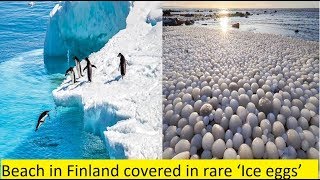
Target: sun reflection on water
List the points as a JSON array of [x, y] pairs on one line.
[[224, 12], [224, 21]]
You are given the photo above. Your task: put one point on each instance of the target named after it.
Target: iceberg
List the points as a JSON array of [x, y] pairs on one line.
[[83, 27], [126, 113]]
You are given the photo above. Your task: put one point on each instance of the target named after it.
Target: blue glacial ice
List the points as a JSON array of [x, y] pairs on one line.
[[154, 16], [83, 27]]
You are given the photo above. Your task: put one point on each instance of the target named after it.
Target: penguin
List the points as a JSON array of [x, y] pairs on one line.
[[72, 74], [122, 65], [89, 69], [78, 67], [42, 118]]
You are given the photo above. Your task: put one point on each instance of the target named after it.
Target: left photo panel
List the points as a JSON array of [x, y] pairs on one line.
[[80, 80]]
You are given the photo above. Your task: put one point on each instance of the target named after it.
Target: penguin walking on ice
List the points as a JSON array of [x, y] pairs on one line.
[[89, 69], [42, 118], [78, 66], [70, 71], [122, 65]]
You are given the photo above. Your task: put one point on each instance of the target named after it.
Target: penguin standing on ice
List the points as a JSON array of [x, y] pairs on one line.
[[72, 74], [89, 69], [78, 67], [122, 65], [42, 118]]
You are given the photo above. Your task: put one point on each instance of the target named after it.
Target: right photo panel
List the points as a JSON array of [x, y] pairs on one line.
[[240, 80]]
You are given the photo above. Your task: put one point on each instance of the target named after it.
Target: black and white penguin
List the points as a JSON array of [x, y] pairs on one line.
[[72, 74], [89, 69], [42, 118], [78, 67], [122, 65]]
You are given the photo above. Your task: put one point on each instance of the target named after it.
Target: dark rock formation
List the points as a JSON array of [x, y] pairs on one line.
[[189, 22], [237, 25]]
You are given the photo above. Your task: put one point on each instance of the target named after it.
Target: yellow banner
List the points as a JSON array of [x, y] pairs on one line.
[[165, 169]]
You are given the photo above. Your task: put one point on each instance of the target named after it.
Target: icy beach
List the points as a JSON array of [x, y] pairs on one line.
[[238, 95], [281, 21], [126, 113]]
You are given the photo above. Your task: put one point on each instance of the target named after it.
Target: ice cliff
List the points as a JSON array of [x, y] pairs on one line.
[[83, 27], [125, 112]]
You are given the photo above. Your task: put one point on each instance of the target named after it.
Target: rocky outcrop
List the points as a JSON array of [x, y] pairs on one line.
[[236, 25]]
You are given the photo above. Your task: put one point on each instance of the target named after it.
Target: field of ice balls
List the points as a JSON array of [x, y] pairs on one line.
[[239, 95]]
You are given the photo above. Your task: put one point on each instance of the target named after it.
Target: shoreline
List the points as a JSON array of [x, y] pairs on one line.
[[299, 23], [246, 31]]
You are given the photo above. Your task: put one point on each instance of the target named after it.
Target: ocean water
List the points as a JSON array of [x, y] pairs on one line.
[[283, 22], [26, 83]]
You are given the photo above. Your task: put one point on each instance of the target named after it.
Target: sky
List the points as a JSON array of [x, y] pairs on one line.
[[240, 4]]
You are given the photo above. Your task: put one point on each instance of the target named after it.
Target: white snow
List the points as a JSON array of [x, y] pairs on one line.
[[129, 107], [83, 27], [155, 14]]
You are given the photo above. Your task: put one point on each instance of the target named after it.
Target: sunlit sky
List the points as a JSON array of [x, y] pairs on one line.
[[240, 4]]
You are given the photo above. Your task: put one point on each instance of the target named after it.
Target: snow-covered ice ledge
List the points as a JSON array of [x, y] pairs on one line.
[[128, 110]]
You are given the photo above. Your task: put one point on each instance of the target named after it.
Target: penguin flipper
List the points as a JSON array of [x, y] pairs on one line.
[[85, 68], [93, 66]]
